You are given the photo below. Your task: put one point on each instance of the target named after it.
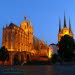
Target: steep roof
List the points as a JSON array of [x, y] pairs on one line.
[[12, 24]]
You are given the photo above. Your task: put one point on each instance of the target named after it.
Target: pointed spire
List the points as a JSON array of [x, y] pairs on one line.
[[70, 25], [6, 25], [59, 25], [3, 26], [24, 18], [64, 21], [29, 21]]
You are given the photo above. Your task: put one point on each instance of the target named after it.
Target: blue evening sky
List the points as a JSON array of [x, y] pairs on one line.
[[44, 15]]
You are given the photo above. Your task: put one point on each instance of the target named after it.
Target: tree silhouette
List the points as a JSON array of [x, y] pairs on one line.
[[4, 55], [66, 47]]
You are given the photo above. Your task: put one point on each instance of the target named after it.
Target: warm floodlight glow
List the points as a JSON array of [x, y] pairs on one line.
[[49, 54], [66, 32]]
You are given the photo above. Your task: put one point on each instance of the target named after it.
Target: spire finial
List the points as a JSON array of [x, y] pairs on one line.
[[59, 25], [24, 17], [64, 21]]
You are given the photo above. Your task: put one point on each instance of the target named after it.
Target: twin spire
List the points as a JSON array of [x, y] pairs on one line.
[[64, 24], [65, 21]]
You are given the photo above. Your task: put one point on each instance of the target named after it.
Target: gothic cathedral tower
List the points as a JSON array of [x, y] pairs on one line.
[[65, 30], [27, 27]]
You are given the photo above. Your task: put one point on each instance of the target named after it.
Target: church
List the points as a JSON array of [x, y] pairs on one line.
[[65, 30]]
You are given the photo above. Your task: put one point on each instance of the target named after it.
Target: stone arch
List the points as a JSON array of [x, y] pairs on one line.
[[16, 59], [16, 56], [23, 58], [19, 58], [28, 58]]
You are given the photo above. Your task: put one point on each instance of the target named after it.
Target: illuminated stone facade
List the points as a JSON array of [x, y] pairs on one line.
[[21, 42], [40, 46], [21, 38], [65, 30], [18, 38]]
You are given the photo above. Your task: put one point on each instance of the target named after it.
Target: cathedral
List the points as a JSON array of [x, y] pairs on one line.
[[18, 38], [21, 38], [21, 42], [65, 30]]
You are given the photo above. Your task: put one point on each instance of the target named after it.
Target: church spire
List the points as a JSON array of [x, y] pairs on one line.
[[59, 25], [64, 21], [70, 25]]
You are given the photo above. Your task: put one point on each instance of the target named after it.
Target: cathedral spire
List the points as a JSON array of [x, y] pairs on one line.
[[6, 25], [59, 25], [24, 18], [3, 26], [64, 21], [29, 21]]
